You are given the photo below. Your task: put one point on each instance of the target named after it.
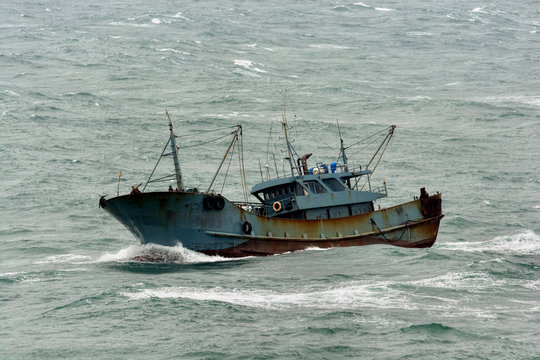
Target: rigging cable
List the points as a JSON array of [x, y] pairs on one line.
[[227, 172], [205, 131], [205, 142], [390, 137], [147, 181], [305, 121]]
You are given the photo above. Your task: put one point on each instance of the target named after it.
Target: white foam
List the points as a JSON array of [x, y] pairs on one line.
[[329, 46], [460, 281], [249, 65], [168, 49], [12, 93], [156, 21], [533, 284], [168, 254], [479, 10], [384, 9], [116, 23], [526, 100], [316, 249], [362, 4], [523, 243], [64, 258], [174, 51], [417, 98], [343, 297], [179, 15]]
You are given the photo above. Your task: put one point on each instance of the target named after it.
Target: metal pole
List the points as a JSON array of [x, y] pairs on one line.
[[177, 171]]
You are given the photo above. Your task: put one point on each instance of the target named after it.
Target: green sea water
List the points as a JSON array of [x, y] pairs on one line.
[[83, 92]]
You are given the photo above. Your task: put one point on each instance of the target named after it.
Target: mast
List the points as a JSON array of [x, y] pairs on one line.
[[343, 156], [174, 149], [285, 130]]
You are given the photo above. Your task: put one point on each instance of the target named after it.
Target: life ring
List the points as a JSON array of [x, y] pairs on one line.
[[246, 227], [208, 202], [276, 206]]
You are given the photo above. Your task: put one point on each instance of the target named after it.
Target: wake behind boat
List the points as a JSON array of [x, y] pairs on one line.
[[323, 206]]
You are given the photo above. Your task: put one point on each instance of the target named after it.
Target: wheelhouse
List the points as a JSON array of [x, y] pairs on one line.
[[314, 195]]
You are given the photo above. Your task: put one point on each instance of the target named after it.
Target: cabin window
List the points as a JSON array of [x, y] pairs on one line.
[[334, 184], [315, 187]]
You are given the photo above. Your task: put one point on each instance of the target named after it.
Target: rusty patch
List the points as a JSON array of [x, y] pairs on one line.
[[432, 206]]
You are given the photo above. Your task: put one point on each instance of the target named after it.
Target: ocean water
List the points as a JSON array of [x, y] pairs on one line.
[[83, 92]]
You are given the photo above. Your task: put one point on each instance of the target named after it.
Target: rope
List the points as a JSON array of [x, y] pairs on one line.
[[384, 236], [150, 177], [205, 142], [204, 131], [359, 150], [377, 164], [227, 172], [377, 133], [305, 121]]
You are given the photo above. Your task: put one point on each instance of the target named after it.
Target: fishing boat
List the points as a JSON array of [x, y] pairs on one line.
[[322, 206]]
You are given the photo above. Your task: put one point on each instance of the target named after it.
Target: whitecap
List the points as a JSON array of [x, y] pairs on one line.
[[384, 9], [179, 15], [249, 65], [460, 281], [12, 93], [168, 49], [329, 46], [115, 23], [478, 10], [361, 4], [156, 21], [174, 51], [523, 243], [417, 98], [526, 100]]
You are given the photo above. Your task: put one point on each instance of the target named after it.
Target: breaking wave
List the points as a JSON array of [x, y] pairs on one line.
[[523, 243], [162, 254]]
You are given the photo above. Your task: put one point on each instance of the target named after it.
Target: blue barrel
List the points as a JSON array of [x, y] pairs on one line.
[[325, 167]]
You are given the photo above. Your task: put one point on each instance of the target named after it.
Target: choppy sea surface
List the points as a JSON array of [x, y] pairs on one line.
[[83, 92]]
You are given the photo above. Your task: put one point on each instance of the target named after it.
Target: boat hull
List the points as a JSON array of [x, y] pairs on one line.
[[172, 218]]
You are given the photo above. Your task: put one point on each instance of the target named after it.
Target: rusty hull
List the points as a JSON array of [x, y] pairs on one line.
[[170, 218]]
